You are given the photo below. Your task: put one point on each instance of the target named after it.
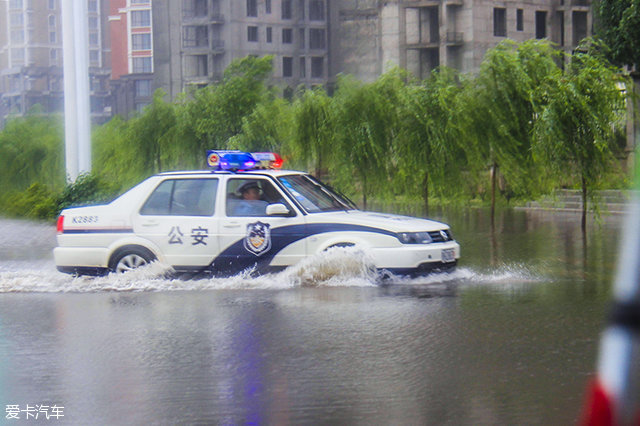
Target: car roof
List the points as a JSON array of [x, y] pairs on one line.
[[267, 172]]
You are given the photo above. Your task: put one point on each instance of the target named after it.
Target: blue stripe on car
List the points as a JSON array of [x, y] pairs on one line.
[[236, 258], [99, 231]]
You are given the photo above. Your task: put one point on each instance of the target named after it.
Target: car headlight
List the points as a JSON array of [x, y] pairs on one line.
[[415, 238]]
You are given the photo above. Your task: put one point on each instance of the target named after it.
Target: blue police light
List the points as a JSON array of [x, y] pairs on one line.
[[230, 160]]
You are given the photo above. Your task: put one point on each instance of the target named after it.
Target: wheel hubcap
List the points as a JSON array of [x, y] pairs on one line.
[[130, 262]]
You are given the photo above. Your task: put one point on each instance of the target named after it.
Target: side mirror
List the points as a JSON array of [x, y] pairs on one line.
[[277, 209]]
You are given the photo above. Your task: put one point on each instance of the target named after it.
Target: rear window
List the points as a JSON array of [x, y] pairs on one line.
[[182, 197]]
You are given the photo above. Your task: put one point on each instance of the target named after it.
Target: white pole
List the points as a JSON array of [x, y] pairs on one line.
[[76, 88]]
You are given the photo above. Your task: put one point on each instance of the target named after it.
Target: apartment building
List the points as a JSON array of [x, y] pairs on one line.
[[137, 46], [132, 54], [195, 40], [419, 35], [31, 58]]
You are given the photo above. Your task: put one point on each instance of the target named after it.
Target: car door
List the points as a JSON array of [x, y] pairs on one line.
[[249, 238], [178, 218]]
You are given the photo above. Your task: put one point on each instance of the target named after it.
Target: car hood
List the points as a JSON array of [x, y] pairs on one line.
[[390, 222]]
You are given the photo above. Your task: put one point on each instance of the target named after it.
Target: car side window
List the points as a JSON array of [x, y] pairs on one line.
[[182, 197], [250, 197]]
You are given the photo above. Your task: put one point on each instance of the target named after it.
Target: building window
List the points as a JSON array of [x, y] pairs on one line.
[[269, 34], [93, 39], [499, 22], [287, 66], [301, 7], [317, 67], [52, 36], [519, 20], [301, 38], [93, 5], [142, 64], [140, 18], [303, 67], [52, 4], [286, 9], [252, 8], [141, 41], [267, 6], [94, 56], [93, 23], [53, 57], [15, 4], [316, 38], [142, 88], [193, 8], [579, 26], [52, 21], [252, 33], [17, 36], [287, 36], [17, 56], [193, 36], [316, 10], [541, 24], [197, 65], [17, 19]]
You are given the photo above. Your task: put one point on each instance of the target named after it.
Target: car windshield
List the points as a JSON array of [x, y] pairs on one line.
[[313, 195]]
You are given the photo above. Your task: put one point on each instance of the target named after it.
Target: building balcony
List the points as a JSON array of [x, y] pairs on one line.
[[216, 18], [423, 45]]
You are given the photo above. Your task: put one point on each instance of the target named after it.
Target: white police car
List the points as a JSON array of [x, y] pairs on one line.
[[236, 217]]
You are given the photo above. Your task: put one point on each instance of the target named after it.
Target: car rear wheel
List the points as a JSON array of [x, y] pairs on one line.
[[130, 258]]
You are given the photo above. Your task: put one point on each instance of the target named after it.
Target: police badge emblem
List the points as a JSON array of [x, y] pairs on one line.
[[258, 238]]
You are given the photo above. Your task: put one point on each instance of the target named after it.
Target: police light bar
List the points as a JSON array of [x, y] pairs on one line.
[[267, 160], [230, 160]]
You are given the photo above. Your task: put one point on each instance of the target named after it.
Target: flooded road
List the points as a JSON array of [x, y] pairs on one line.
[[509, 338]]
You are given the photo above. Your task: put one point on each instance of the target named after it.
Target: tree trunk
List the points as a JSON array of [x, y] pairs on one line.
[[364, 192], [494, 174], [425, 193], [584, 206]]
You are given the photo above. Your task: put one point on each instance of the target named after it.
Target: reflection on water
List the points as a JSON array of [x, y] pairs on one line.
[[508, 338]]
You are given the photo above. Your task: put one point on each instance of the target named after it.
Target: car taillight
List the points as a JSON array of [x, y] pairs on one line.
[[60, 224]]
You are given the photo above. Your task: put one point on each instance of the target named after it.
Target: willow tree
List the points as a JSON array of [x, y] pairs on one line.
[[215, 113], [32, 151], [313, 129], [428, 131], [500, 113], [151, 134], [267, 128], [366, 126], [575, 129]]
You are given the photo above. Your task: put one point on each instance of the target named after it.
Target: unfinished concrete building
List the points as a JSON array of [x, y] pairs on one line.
[[367, 36]]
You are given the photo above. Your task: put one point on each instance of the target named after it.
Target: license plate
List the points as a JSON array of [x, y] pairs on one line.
[[448, 255]]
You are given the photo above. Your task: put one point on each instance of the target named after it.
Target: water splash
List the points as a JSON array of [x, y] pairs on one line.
[[337, 267]]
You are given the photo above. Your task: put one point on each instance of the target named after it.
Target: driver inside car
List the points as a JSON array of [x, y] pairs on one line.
[[250, 203]]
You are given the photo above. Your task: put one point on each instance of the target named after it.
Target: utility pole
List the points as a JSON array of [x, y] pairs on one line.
[[76, 88]]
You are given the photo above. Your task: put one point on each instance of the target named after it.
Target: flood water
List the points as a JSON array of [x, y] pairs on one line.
[[510, 337]]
